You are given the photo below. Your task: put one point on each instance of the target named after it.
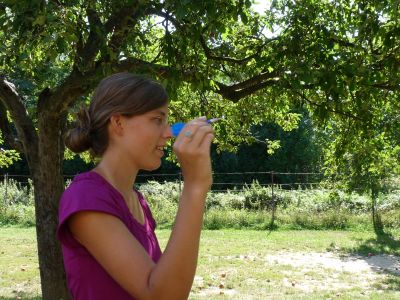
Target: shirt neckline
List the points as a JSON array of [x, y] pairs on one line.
[[144, 226]]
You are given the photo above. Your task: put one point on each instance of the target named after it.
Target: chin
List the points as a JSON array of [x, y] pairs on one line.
[[152, 167]]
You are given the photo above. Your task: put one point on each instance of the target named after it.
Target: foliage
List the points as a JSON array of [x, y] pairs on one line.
[[336, 59], [17, 203], [246, 208], [7, 157], [163, 200], [259, 197]]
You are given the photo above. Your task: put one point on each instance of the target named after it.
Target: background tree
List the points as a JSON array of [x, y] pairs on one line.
[[7, 157], [337, 59]]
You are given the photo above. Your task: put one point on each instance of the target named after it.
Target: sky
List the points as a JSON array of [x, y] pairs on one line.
[[261, 5]]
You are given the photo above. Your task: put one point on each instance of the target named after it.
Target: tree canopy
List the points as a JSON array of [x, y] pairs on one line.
[[339, 59]]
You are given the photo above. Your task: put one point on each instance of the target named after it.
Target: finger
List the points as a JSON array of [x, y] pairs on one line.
[[190, 129], [201, 132], [185, 136], [207, 141]]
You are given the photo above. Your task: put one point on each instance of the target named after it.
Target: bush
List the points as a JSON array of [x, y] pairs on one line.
[[228, 200], [260, 197], [391, 218], [17, 203], [237, 219], [163, 200], [247, 208], [389, 201]]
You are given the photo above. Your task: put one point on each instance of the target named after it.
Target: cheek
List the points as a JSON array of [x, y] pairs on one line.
[[143, 141]]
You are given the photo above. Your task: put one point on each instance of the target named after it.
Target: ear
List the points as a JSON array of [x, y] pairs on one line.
[[117, 124]]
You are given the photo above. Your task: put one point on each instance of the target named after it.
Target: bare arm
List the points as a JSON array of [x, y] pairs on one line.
[[121, 254]]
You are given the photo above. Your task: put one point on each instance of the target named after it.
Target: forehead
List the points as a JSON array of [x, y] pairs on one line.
[[163, 110]]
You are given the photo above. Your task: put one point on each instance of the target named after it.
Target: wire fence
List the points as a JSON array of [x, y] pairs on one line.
[[237, 180], [278, 184], [222, 181]]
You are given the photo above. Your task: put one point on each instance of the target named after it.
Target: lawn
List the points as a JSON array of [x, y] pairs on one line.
[[245, 264]]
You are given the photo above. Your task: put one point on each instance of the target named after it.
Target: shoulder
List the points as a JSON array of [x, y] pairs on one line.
[[87, 182], [88, 191]]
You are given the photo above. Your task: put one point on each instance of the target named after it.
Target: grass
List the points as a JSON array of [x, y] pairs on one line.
[[19, 269], [241, 264]]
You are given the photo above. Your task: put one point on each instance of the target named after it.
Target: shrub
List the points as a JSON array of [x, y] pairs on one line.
[[260, 197], [228, 200], [17, 203], [237, 219], [390, 201], [13, 192], [391, 218], [247, 208], [163, 199]]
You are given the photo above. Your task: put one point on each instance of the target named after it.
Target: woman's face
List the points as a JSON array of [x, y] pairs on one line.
[[144, 137]]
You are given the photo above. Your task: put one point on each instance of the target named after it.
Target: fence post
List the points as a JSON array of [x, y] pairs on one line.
[[272, 185], [273, 202], [5, 191]]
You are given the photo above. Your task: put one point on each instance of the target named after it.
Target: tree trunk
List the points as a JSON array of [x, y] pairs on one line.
[[376, 218], [49, 185]]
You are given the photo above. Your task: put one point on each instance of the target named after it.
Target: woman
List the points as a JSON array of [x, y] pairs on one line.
[[105, 226]]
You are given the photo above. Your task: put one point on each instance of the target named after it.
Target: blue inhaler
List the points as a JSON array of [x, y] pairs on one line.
[[177, 127]]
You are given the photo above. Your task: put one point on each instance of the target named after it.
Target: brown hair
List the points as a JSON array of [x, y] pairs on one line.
[[121, 93]]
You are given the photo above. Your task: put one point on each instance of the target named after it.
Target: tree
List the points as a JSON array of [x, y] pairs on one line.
[[338, 59]]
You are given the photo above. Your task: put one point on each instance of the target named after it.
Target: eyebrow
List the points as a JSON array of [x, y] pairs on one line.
[[160, 112]]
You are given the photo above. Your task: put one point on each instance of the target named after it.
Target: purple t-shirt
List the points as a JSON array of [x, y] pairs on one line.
[[86, 278]]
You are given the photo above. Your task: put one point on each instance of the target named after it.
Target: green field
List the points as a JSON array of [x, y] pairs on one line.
[[245, 264]]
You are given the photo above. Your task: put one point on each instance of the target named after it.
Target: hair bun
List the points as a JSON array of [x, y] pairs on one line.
[[78, 139]]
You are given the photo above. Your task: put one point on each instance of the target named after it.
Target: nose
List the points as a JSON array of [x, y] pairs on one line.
[[167, 134]]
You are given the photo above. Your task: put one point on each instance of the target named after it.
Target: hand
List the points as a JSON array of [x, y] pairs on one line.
[[192, 148]]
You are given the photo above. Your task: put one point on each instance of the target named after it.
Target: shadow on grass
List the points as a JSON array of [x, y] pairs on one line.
[[391, 283], [383, 244], [383, 255]]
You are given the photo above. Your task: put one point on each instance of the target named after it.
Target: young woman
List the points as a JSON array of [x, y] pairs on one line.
[[105, 226]]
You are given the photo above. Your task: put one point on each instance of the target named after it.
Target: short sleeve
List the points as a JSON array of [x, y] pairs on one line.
[[84, 196]]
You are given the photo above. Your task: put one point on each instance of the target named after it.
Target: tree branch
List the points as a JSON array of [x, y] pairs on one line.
[[386, 86], [210, 55], [6, 129], [86, 55], [334, 111], [141, 66], [239, 90], [78, 84], [58, 100], [166, 15], [86, 72], [14, 103], [120, 23]]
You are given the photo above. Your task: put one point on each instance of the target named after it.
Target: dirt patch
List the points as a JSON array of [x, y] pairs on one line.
[[308, 273], [350, 263], [331, 271]]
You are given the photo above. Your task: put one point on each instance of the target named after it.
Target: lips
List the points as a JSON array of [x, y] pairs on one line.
[[160, 149]]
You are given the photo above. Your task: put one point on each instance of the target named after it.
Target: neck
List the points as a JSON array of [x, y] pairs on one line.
[[118, 173]]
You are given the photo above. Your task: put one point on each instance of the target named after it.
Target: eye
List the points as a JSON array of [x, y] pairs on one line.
[[159, 120]]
